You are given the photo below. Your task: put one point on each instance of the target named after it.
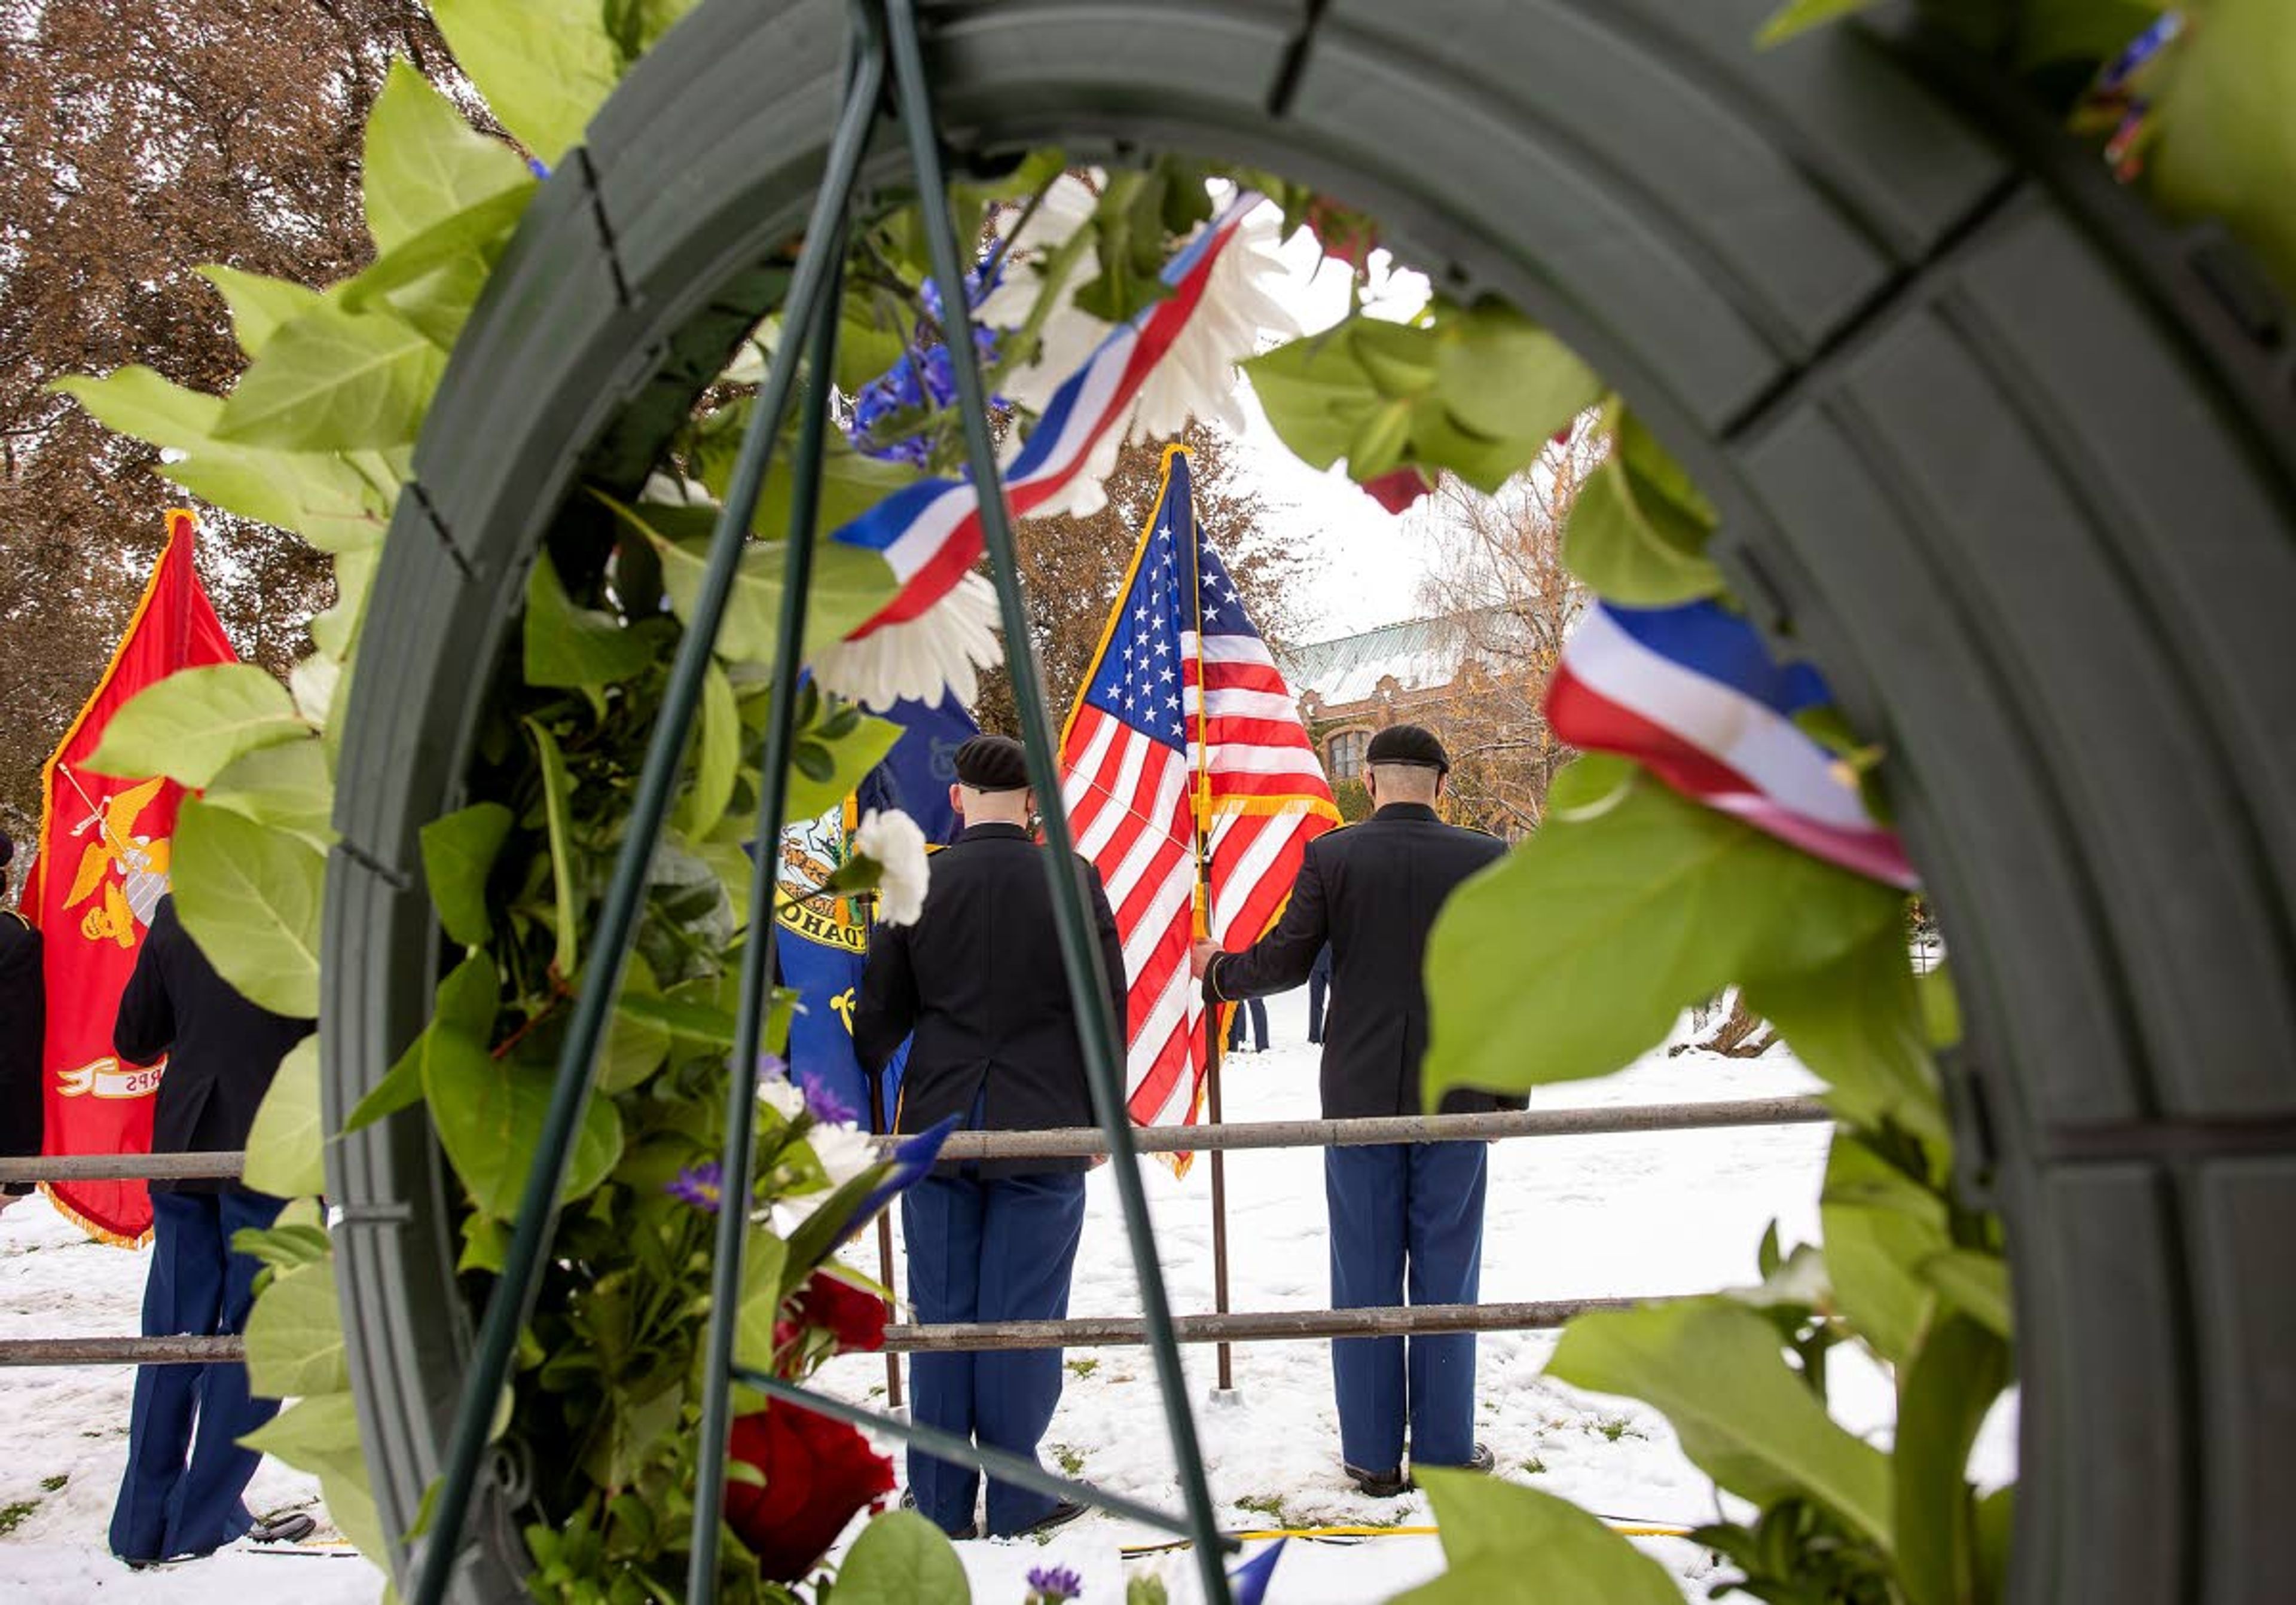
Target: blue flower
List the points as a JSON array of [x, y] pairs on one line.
[[1053, 1584], [911, 1163], [1249, 1580], [701, 1185], [921, 377]]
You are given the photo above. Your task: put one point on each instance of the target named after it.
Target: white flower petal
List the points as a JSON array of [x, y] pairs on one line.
[[943, 647], [843, 1152], [892, 839]]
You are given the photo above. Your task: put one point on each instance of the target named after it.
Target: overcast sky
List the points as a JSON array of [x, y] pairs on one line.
[[1367, 562]]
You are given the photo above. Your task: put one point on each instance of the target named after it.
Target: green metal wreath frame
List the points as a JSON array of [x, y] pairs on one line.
[[2010, 464]]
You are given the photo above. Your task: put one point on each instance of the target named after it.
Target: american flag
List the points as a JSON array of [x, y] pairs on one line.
[[1138, 784]]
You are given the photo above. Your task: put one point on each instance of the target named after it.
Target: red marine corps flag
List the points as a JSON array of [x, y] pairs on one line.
[[103, 868], [1191, 784]]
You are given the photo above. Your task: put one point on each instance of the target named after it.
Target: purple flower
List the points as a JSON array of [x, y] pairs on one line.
[[701, 1185], [1053, 1584], [919, 378], [770, 1066], [822, 1103]]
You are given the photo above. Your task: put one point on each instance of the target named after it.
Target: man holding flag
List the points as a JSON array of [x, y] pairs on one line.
[[1401, 1214]]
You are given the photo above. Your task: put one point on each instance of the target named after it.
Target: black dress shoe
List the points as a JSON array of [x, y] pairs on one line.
[[1059, 1515], [1481, 1460], [288, 1526], [1378, 1484]]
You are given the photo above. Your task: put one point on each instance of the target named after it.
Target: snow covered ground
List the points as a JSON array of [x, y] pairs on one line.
[[1662, 1212]]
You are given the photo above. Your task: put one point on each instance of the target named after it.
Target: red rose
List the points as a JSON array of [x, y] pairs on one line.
[[854, 1320], [817, 1472], [1397, 490]]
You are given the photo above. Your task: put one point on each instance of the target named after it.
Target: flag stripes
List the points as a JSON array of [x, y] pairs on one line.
[[1183, 713]]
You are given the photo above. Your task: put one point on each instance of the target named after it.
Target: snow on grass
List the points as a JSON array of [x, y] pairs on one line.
[[1665, 1212]]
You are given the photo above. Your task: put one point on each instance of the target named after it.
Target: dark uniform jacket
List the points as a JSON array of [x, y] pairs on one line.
[[1372, 891], [222, 1050], [23, 1023], [979, 979]]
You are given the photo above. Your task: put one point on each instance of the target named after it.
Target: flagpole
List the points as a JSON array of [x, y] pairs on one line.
[[1202, 810]]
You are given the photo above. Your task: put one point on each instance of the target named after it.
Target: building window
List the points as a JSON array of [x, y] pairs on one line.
[[1348, 754]]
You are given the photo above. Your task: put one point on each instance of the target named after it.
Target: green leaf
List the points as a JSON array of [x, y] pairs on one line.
[[316, 1431], [1577, 951], [1504, 1541], [1591, 783], [1637, 533], [334, 380], [716, 758], [459, 853], [1940, 1007], [191, 723], [339, 503], [1317, 393], [136, 401], [296, 1238], [1976, 1283], [765, 1271], [465, 1007], [283, 1143], [557, 793], [434, 278], [1504, 377], [250, 898], [900, 1558], [1858, 1025], [635, 1044], [295, 1335], [543, 66], [335, 631], [286, 787], [850, 584], [490, 1114], [573, 646], [1996, 1518], [1961, 1370], [259, 304], [700, 1022], [2224, 149], [851, 757], [1878, 1225], [1744, 1417], [1798, 16], [424, 163]]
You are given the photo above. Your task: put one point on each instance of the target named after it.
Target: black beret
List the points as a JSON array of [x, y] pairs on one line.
[[992, 763], [7, 849], [1408, 744]]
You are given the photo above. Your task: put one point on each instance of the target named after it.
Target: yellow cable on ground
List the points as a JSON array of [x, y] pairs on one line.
[[1629, 1530]]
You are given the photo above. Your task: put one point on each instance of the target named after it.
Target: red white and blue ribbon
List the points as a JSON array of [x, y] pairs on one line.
[[1693, 694], [930, 531]]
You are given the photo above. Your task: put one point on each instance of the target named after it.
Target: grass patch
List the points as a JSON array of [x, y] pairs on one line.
[[1535, 1466], [1270, 1505], [1072, 1460], [1082, 1368], [54, 1484], [11, 1516], [1615, 1427]]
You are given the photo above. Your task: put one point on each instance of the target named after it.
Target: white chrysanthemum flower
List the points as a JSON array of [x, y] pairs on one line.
[[676, 491], [1198, 377], [843, 1152], [778, 1093], [1067, 207], [944, 647], [893, 840]]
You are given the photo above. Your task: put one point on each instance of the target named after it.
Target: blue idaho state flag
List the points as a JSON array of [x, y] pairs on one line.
[[824, 941]]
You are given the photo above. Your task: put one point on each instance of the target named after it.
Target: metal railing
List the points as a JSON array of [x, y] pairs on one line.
[[1077, 1331]]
